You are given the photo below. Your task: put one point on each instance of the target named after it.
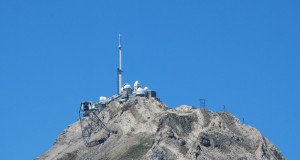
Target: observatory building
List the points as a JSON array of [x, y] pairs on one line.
[[88, 112], [124, 92]]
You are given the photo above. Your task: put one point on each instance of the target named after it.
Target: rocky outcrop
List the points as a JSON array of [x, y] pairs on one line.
[[148, 129]]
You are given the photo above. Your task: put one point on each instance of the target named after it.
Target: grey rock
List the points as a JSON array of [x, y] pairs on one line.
[[148, 129]]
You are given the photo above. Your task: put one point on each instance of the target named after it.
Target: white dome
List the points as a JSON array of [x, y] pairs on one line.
[[139, 90], [146, 88], [136, 84], [126, 86], [102, 98]]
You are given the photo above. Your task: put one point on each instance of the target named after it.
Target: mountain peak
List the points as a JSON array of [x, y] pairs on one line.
[[145, 128]]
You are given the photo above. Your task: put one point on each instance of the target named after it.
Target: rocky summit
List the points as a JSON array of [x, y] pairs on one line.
[[148, 129]]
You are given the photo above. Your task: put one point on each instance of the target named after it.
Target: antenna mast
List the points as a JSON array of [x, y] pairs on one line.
[[120, 66]]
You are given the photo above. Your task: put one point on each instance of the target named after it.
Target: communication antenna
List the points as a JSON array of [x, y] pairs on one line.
[[202, 103], [119, 85]]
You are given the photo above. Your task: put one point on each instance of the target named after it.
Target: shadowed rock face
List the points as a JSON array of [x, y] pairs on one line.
[[147, 129]]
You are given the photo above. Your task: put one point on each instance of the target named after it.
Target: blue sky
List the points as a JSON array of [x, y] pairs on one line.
[[55, 54]]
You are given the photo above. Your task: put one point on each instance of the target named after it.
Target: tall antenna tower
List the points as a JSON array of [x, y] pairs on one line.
[[120, 66]]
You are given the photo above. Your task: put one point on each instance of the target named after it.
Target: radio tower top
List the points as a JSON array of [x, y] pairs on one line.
[[120, 66]]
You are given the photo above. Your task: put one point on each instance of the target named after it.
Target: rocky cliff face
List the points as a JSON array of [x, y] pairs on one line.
[[147, 129]]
